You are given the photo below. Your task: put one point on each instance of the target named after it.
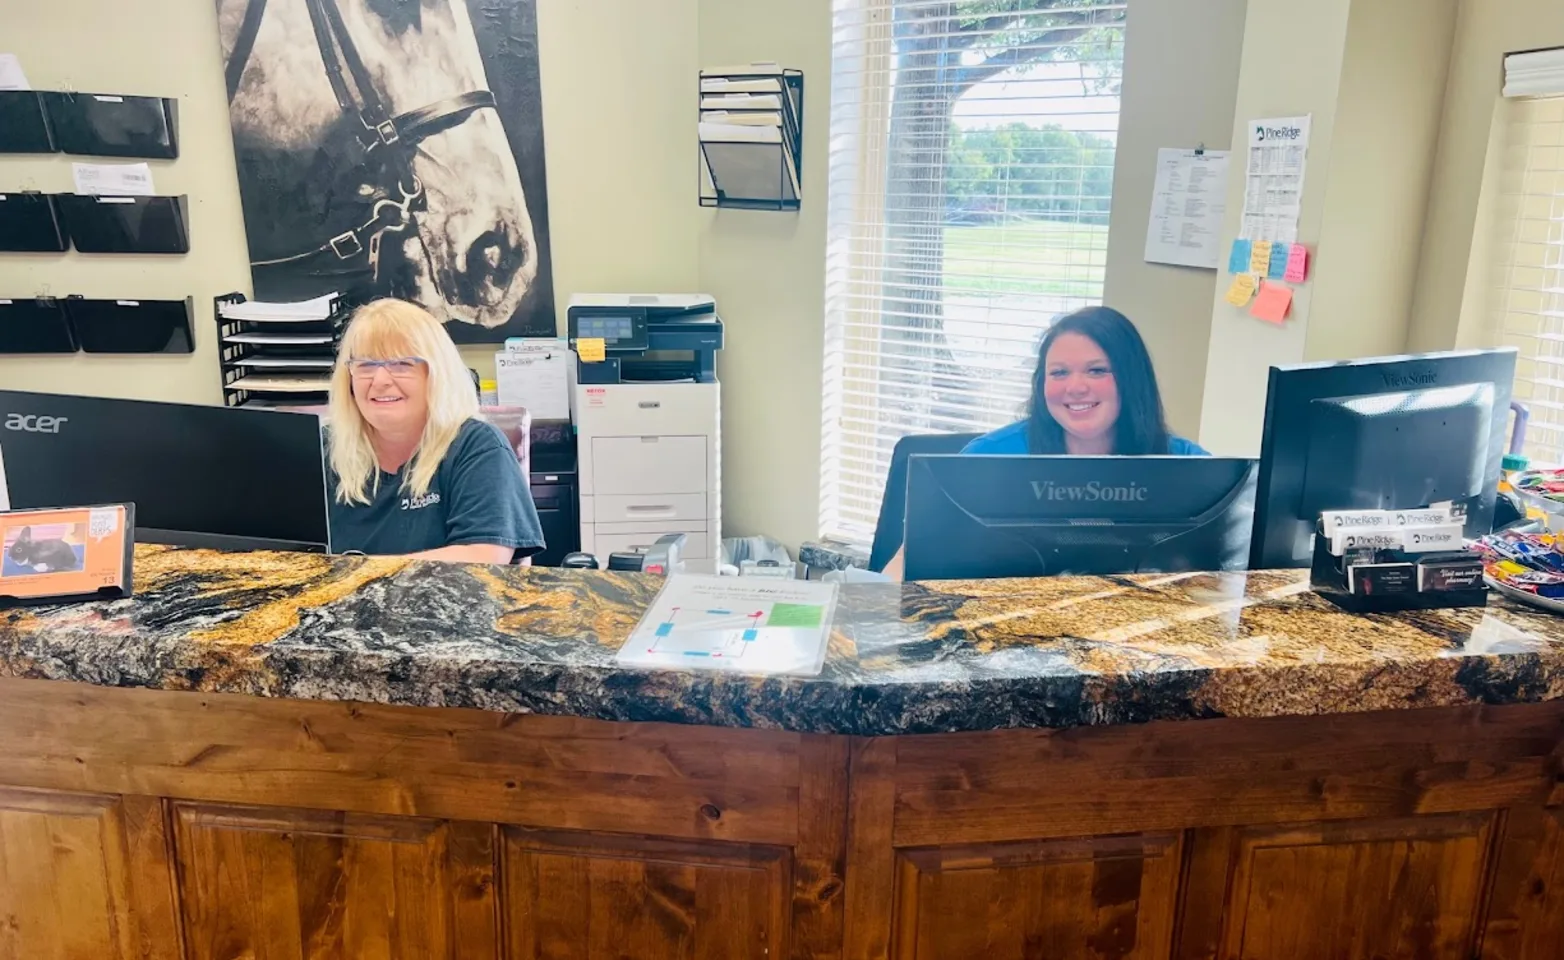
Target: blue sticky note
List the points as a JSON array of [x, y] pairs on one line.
[[1277, 268], [1238, 260]]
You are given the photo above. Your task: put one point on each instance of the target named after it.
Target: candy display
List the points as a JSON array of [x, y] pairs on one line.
[[1530, 563], [1541, 490]]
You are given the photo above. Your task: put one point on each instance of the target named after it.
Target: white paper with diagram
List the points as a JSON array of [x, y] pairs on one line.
[[734, 624]]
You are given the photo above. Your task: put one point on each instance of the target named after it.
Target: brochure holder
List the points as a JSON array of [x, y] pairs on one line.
[[24, 127], [751, 137], [131, 326], [113, 125], [35, 326], [109, 224], [30, 223]]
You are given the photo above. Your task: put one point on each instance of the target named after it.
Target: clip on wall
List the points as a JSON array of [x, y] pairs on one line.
[[30, 223], [24, 127], [751, 137], [114, 125], [104, 224]]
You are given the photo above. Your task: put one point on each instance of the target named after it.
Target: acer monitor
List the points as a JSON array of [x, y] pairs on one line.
[[1392, 433], [199, 476], [982, 517]]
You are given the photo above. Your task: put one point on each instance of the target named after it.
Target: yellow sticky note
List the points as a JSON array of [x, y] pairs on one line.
[[1272, 303], [591, 350], [1260, 256], [1242, 289]]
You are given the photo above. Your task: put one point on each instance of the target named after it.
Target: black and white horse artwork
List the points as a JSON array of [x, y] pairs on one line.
[[389, 147]]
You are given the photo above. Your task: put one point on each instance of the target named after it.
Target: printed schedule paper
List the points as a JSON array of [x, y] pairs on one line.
[[1273, 181], [734, 624], [1188, 202]]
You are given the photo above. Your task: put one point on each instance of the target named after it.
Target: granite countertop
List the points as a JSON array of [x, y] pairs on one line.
[[903, 659]]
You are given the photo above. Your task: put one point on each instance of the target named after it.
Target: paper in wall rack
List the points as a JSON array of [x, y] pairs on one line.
[[24, 127], [114, 125], [751, 137], [111, 224], [30, 223], [35, 326], [131, 326], [279, 354]]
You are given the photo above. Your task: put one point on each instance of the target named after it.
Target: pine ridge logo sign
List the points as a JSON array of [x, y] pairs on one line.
[[1287, 132]]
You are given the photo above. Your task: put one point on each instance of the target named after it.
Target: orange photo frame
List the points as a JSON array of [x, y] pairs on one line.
[[66, 554]]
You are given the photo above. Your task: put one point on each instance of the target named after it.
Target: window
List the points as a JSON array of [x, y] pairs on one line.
[[1526, 298], [971, 168]]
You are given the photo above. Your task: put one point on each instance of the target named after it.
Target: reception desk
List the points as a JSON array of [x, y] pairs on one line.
[[293, 756]]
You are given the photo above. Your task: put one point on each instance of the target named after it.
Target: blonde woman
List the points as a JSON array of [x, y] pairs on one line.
[[413, 470]]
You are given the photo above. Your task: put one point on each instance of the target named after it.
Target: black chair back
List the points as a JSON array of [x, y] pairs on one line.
[[891, 528]]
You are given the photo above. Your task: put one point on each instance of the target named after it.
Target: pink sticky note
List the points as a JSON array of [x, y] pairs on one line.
[[1272, 302], [1297, 264]]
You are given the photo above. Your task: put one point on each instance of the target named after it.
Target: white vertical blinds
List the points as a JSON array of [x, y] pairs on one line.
[[971, 168], [1526, 306]]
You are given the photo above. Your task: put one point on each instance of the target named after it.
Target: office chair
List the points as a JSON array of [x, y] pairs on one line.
[[891, 527]]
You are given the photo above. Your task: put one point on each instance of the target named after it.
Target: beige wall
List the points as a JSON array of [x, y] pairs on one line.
[[1180, 82], [1448, 306]]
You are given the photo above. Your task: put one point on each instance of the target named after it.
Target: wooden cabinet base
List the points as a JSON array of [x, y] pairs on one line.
[[150, 825]]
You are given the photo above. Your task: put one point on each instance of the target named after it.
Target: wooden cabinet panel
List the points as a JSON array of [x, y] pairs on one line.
[[1356, 890], [278, 884], [595, 897], [1060, 899], [1526, 912], [63, 878]]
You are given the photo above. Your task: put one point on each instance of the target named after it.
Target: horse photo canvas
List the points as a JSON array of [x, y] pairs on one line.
[[394, 148]]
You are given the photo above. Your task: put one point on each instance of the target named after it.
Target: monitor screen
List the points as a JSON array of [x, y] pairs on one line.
[[1393, 433], [978, 517], [198, 475]]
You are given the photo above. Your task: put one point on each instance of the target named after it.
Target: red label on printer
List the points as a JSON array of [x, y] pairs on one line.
[[596, 396]]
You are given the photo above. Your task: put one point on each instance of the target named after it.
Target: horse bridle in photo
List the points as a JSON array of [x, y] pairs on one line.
[[376, 131]]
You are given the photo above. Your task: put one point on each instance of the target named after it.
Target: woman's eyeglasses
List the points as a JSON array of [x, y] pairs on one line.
[[398, 367]]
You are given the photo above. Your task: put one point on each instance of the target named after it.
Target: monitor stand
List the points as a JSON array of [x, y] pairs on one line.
[[221, 541]]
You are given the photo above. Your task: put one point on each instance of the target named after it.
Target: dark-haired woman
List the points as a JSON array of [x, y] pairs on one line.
[[1094, 394]]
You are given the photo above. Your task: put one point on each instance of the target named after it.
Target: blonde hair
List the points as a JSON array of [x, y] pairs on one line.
[[386, 330]]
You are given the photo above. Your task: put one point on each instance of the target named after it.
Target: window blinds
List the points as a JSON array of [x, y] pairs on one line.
[[1527, 293], [970, 174]]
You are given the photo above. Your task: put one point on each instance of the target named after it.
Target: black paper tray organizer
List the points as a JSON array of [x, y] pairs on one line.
[[24, 127], [279, 355], [114, 125], [131, 326], [125, 224], [35, 326], [30, 223]]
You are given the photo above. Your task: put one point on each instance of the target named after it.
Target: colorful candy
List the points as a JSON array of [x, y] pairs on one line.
[[1525, 561]]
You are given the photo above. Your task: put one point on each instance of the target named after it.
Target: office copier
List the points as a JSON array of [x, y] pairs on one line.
[[648, 421]]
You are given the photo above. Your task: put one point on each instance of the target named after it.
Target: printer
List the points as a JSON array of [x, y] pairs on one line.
[[648, 421]]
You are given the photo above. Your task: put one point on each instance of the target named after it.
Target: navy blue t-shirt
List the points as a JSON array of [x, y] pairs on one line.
[[478, 495]]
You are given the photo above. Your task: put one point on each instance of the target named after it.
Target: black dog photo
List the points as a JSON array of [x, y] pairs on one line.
[[394, 148]]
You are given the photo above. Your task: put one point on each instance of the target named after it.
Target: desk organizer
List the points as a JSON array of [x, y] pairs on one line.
[[1382, 569], [30, 223], [99, 224], [24, 127], [279, 361], [751, 137], [35, 326], [114, 125], [131, 326]]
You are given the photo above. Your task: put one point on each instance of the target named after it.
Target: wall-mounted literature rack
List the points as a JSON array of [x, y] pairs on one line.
[[24, 127], [114, 125], [112, 224], [35, 325], [279, 354], [751, 137], [30, 223], [131, 326]]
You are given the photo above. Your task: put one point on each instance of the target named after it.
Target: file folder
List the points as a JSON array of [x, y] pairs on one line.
[[108, 224], [113, 125], [35, 326], [24, 128], [131, 326], [30, 223]]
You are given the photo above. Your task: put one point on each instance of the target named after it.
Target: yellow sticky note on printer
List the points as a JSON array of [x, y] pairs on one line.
[[1242, 289], [591, 350]]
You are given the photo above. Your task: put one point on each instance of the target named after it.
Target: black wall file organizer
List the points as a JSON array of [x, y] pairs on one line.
[[24, 127], [279, 362], [125, 224], [35, 326], [114, 125], [751, 138], [30, 223], [131, 326]]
